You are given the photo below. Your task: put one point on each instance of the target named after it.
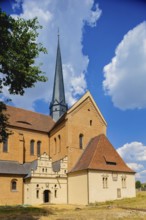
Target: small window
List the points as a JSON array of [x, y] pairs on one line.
[[111, 163], [39, 148], [5, 146], [90, 122], [37, 194], [123, 179], [55, 146], [55, 193], [32, 147], [81, 141], [59, 142], [14, 185], [105, 182]]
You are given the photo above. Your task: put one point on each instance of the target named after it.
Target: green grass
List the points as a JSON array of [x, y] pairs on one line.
[[26, 213], [138, 202], [110, 210]]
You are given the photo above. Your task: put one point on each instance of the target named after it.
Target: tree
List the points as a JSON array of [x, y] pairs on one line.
[[18, 51], [138, 184]]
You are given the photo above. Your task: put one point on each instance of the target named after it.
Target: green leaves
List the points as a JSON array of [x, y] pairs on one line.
[[18, 51]]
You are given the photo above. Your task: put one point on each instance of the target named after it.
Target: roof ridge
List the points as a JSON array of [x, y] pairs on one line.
[[27, 110], [96, 137]]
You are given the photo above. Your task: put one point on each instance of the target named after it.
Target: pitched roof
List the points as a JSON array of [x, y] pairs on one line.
[[30, 120], [12, 167], [101, 155]]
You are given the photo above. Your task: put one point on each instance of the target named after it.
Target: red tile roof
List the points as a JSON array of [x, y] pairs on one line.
[[29, 120], [101, 155]]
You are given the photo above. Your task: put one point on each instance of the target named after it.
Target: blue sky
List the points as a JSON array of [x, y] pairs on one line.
[[103, 46]]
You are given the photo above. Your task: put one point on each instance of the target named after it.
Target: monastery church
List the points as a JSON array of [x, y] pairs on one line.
[[62, 158]]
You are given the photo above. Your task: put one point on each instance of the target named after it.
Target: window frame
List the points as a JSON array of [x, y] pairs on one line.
[[55, 145], [14, 185], [123, 180], [81, 136], [32, 142], [59, 143], [39, 148], [105, 182], [5, 146]]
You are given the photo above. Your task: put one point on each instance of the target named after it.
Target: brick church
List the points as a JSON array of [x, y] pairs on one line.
[[62, 158]]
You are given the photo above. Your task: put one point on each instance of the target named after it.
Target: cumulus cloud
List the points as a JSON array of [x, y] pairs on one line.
[[135, 166], [134, 151], [134, 154], [70, 16], [125, 75]]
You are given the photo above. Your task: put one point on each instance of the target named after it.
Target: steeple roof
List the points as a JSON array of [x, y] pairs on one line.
[[58, 105], [58, 90]]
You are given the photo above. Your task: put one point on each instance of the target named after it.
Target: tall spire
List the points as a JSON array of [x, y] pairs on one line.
[[58, 105]]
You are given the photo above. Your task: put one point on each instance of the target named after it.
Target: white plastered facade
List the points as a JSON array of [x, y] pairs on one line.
[[43, 185], [99, 186]]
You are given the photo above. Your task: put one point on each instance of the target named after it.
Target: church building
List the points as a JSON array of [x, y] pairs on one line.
[[62, 158]]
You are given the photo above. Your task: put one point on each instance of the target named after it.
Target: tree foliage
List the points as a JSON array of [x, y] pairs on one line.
[[18, 51], [138, 184]]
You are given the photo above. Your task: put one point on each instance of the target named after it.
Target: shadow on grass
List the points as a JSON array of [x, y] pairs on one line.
[[23, 213]]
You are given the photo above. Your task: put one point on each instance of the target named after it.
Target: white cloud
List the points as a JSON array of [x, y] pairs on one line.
[[134, 154], [16, 4], [94, 16], [141, 176], [135, 166], [125, 75], [134, 151], [70, 16]]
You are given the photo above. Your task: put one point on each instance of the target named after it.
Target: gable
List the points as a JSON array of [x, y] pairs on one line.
[[86, 105]]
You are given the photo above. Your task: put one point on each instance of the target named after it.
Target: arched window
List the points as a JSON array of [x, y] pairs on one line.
[[81, 141], [37, 193], [55, 146], [14, 185], [59, 143], [105, 181], [5, 145], [55, 191], [32, 147], [39, 148]]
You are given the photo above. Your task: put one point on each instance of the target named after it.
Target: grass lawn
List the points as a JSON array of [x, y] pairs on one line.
[[125, 209]]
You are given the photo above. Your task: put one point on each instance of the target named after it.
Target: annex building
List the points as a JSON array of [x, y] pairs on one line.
[[62, 158]]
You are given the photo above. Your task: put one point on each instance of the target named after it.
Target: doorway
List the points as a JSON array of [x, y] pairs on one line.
[[47, 196]]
